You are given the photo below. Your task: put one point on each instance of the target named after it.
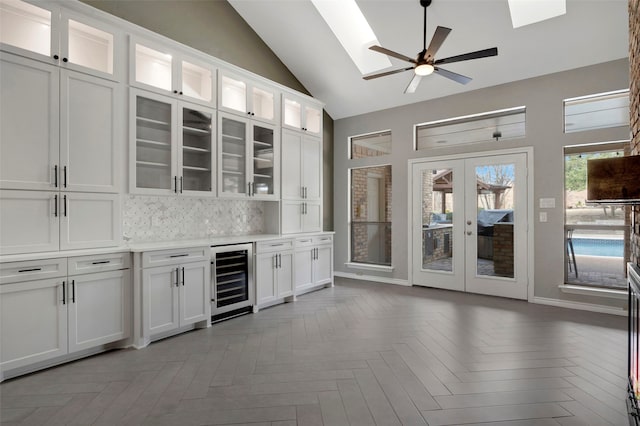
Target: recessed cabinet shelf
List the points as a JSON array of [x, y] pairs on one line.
[[154, 144], [195, 149], [155, 122], [151, 164]]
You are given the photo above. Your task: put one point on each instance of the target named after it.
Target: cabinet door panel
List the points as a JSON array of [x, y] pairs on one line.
[[33, 322], [312, 168], [89, 220], [90, 132], [323, 265], [160, 310], [304, 268], [195, 300], [285, 274], [265, 278], [312, 218], [97, 309], [29, 30], [28, 222], [29, 121], [291, 217], [234, 132], [291, 168]]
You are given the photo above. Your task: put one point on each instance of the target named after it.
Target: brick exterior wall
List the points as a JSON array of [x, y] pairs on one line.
[[503, 259], [634, 94]]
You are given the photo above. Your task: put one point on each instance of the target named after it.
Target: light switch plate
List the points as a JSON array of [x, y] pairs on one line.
[[543, 216], [547, 203]]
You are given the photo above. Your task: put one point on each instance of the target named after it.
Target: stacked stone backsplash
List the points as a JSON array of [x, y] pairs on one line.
[[151, 218], [634, 94]]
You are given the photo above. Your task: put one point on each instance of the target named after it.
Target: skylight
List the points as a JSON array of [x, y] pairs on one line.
[[349, 25], [525, 12]]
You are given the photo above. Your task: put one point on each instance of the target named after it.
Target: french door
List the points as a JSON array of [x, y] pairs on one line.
[[469, 224]]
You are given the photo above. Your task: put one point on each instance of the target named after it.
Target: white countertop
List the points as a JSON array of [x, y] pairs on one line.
[[137, 247]]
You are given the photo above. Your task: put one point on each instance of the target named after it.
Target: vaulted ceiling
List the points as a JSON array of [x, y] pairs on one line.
[[591, 32]]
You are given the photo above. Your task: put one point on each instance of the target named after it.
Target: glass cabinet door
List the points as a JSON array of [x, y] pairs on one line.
[[233, 156], [154, 131], [196, 81], [233, 94], [313, 119], [263, 160], [196, 156], [153, 67], [292, 114], [27, 27], [88, 46], [263, 104]]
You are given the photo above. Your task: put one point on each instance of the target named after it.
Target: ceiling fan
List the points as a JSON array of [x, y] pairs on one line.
[[425, 63]]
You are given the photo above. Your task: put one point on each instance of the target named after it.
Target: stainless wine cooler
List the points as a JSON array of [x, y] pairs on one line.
[[231, 281]]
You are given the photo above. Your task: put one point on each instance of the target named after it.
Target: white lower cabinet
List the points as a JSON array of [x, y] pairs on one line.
[[175, 296], [274, 272], [301, 216], [313, 262], [42, 319]]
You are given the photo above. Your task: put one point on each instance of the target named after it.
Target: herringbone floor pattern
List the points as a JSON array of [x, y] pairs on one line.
[[358, 354]]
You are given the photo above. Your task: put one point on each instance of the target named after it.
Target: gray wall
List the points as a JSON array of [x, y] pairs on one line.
[[215, 28], [543, 98]]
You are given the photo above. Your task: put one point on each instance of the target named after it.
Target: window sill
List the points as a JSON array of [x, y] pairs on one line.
[[593, 291], [365, 266]]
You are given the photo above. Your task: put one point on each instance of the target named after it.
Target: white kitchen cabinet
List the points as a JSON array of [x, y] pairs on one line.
[[51, 33], [274, 272], [172, 146], [301, 216], [98, 309], [157, 67], [46, 318], [302, 173], [175, 296], [248, 158], [313, 262], [38, 221], [33, 321], [241, 95], [60, 129], [301, 115]]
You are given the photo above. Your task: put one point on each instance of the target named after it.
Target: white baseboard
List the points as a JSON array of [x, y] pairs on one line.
[[580, 306], [373, 278]]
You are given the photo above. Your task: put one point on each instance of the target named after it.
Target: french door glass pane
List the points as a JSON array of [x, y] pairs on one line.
[[437, 219], [196, 150], [263, 160], [153, 144], [495, 219], [234, 160]]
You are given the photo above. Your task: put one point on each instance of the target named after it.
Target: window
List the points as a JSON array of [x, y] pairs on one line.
[[370, 215], [485, 127], [595, 234], [370, 145], [599, 111]]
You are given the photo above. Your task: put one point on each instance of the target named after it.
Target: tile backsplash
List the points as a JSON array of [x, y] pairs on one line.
[[151, 218]]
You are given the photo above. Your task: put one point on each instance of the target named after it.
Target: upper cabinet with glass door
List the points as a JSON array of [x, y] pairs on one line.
[[47, 32], [158, 68], [302, 115], [240, 95]]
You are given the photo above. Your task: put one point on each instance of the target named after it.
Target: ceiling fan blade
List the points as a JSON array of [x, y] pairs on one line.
[[467, 56], [382, 74], [438, 38], [392, 53], [413, 84], [462, 79]]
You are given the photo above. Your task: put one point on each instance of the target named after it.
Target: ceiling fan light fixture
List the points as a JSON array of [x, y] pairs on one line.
[[424, 69]]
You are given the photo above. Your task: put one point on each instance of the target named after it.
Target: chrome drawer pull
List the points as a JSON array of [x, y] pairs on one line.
[[30, 270], [101, 262], [179, 255]]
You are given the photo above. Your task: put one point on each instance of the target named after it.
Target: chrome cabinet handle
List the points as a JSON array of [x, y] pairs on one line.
[[181, 185], [73, 289], [177, 277], [179, 255], [101, 262], [65, 206], [55, 205], [55, 176], [30, 270], [183, 276], [64, 293], [175, 184], [65, 176], [279, 260]]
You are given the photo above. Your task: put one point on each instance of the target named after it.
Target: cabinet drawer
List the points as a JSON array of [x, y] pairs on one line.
[[304, 242], [98, 263], [323, 239], [14, 272], [273, 245], [170, 257]]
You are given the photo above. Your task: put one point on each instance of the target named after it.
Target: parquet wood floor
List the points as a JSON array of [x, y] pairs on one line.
[[357, 354]]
